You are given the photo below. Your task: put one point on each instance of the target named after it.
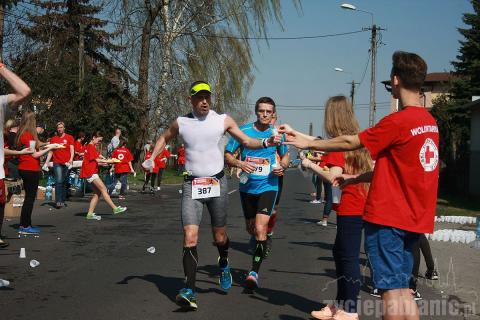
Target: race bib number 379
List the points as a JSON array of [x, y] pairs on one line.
[[203, 188], [262, 165]]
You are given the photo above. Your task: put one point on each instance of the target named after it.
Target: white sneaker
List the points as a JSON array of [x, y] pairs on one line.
[[322, 223], [316, 201], [158, 188]]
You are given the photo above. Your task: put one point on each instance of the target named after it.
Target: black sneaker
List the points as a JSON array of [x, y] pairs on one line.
[[431, 274], [416, 295], [375, 293]]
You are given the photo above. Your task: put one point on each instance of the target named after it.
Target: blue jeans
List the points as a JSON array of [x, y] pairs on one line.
[[60, 172], [346, 251], [122, 177], [327, 208]]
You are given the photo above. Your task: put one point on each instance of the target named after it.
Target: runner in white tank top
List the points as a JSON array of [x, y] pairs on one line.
[[202, 131]]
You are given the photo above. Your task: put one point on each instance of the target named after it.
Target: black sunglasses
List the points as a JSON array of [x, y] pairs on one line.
[[388, 87]]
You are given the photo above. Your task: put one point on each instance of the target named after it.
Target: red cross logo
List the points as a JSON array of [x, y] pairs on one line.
[[429, 154]]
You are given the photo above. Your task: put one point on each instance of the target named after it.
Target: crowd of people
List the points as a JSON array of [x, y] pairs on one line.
[[388, 175]]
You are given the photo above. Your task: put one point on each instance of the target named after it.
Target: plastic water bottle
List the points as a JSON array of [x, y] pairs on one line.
[[244, 177], [48, 193], [476, 243]]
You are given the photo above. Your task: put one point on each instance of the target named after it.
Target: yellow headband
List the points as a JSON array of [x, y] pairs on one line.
[[199, 87]]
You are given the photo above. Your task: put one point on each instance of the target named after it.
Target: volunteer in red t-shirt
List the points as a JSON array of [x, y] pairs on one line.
[[123, 168], [150, 175], [161, 165], [20, 91], [402, 198], [181, 159], [78, 146], [62, 162], [29, 168], [89, 171], [340, 119]]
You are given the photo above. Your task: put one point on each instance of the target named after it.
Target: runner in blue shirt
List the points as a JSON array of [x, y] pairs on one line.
[[259, 180]]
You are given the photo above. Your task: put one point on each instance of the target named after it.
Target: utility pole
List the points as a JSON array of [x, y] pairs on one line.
[[352, 93], [373, 52], [81, 58]]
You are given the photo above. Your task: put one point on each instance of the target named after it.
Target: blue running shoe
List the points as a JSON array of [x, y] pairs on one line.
[[186, 299], [28, 230], [225, 278], [252, 280]]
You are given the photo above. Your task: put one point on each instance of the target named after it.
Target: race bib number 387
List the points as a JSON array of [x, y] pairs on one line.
[[203, 188], [262, 165]]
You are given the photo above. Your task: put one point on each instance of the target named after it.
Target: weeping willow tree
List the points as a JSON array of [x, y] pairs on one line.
[[173, 43]]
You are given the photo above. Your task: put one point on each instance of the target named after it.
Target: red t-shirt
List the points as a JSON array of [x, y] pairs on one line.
[[352, 202], [124, 155], [161, 160], [27, 161], [7, 158], [181, 156], [62, 156], [78, 147], [403, 192], [89, 164]]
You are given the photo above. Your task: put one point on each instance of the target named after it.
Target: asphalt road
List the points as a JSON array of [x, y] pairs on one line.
[[102, 270]]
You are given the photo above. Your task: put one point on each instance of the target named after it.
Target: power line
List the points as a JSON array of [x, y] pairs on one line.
[[217, 36]]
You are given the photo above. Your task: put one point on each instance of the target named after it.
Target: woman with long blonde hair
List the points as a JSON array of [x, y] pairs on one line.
[[29, 168], [340, 120]]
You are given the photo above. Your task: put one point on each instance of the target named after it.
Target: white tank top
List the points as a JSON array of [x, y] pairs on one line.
[[204, 146]]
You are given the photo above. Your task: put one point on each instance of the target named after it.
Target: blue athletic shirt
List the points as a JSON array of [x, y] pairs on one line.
[[258, 183]]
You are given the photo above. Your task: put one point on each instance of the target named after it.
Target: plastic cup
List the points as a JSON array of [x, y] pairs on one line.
[[4, 283], [32, 144], [34, 263], [151, 250], [23, 254], [336, 194]]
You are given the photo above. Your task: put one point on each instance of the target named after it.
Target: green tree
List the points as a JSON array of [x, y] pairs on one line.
[[450, 111], [89, 95]]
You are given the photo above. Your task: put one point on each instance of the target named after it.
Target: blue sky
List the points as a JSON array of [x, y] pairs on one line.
[[300, 72]]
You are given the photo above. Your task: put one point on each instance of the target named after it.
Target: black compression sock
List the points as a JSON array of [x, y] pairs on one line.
[[258, 255], [190, 262], [223, 252]]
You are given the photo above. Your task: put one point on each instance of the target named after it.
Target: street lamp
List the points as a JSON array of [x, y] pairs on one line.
[[373, 56], [353, 83]]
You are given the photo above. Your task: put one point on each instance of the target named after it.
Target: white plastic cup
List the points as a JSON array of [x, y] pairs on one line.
[[32, 144], [4, 283], [151, 250], [147, 164], [23, 254], [34, 263], [336, 194]]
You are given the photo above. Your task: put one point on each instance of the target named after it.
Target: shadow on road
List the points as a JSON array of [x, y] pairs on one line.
[[243, 247], [328, 272], [283, 298], [322, 245]]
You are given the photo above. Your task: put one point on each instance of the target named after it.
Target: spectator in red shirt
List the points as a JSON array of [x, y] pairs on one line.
[[181, 159], [150, 175], [29, 168], [123, 168], [62, 162], [78, 146], [339, 120], [402, 198], [161, 164], [89, 171]]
